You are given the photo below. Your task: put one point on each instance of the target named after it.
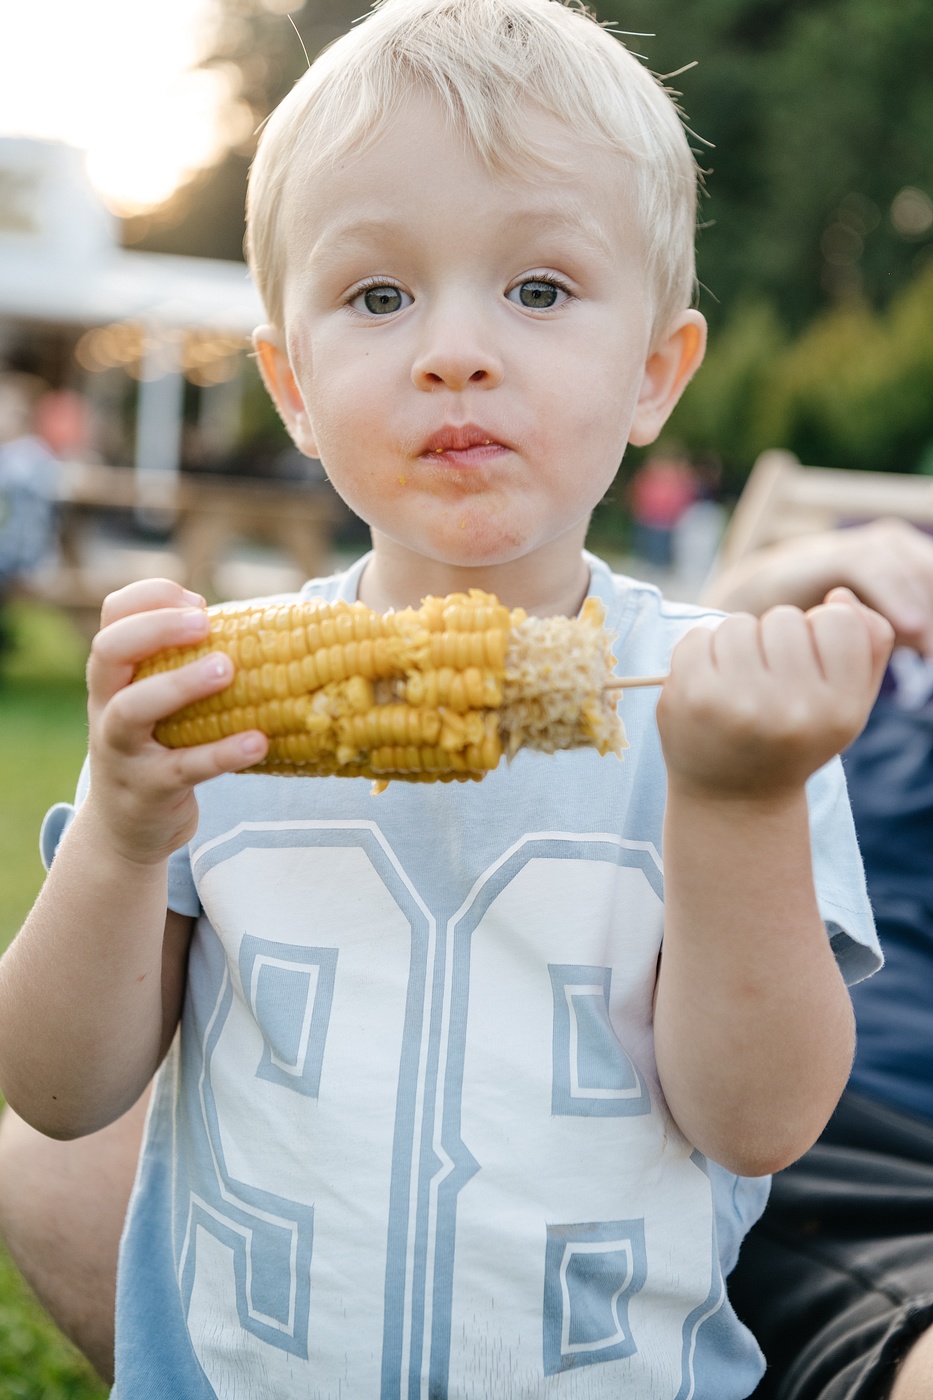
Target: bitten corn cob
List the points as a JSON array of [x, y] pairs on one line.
[[428, 694]]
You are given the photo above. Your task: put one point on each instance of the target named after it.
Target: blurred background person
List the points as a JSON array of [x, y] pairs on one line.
[[659, 493], [37, 428]]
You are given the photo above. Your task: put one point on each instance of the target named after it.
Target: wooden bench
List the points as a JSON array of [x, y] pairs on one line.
[[208, 515]]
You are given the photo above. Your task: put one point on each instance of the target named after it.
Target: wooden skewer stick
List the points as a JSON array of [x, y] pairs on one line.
[[630, 682]]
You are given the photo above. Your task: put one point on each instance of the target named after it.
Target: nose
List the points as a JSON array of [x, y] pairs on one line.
[[457, 350]]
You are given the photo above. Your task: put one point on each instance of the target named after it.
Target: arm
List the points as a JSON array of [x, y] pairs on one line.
[[888, 565], [753, 1024], [91, 988]]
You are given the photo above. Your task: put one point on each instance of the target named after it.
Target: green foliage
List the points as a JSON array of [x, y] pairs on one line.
[[852, 390], [43, 740], [721, 411], [36, 1363], [43, 737], [819, 113]]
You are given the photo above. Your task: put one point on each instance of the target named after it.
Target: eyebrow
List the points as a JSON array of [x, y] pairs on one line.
[[558, 219], [553, 218], [334, 237]]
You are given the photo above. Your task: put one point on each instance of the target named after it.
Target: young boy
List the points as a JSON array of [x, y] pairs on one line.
[[441, 1119]]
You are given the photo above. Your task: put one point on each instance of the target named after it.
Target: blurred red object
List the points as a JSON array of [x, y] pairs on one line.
[[62, 420]]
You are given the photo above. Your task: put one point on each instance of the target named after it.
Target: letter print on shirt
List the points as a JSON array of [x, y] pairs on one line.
[[592, 1074], [591, 1270], [470, 1164], [290, 992]]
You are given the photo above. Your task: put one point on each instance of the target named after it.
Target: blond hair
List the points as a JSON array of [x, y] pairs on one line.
[[487, 61]]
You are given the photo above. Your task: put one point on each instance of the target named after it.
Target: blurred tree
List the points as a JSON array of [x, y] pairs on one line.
[[851, 390], [818, 215], [262, 55], [820, 115]]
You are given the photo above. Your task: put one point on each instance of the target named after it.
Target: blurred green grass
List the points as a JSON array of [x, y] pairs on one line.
[[43, 734]]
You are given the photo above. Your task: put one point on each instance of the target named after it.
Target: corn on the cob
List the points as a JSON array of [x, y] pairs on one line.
[[428, 694]]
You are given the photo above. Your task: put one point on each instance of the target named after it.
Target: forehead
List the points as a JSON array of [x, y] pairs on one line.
[[420, 169]]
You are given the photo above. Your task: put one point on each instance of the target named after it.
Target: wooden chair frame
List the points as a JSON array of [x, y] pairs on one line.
[[782, 499]]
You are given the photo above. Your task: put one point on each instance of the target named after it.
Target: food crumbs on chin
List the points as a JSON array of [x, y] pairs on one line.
[[463, 522], [403, 481]]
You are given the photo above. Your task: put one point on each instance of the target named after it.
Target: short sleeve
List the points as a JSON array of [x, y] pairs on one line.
[[839, 877], [59, 817], [182, 891], [182, 894]]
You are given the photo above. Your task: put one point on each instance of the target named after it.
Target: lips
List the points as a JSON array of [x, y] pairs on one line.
[[467, 445]]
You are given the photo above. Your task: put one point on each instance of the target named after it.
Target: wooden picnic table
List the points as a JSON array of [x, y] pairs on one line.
[[206, 514]]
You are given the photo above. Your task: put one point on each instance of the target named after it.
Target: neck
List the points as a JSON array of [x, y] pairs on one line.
[[552, 581]]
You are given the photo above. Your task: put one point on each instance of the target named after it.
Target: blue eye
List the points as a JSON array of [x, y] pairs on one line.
[[381, 300], [536, 293]]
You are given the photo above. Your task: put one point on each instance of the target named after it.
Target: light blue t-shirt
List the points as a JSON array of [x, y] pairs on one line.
[[410, 1140]]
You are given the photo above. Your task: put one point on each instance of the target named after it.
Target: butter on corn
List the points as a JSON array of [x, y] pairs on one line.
[[435, 693]]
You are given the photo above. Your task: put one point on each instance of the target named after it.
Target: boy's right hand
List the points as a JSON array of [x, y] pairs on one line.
[[141, 793]]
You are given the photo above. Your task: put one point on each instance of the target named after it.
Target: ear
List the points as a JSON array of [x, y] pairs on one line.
[[668, 370], [283, 388]]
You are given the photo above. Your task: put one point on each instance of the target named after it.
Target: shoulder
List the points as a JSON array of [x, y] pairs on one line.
[[343, 585], [640, 616]]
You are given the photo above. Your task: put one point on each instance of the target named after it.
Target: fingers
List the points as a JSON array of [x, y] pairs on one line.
[[144, 790], [862, 623], [125, 726], [188, 767], [889, 566], [122, 644], [757, 705], [787, 645], [133, 710], [146, 595]]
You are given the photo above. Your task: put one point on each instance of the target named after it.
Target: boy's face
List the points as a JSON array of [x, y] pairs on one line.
[[471, 352]]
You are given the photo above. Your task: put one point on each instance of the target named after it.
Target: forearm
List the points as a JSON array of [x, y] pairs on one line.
[[800, 571], [888, 565], [753, 1024], [82, 1017]]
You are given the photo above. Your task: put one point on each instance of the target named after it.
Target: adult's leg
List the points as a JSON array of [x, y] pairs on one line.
[[915, 1375], [836, 1280], [62, 1206]]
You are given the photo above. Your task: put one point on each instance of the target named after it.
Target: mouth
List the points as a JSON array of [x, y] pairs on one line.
[[465, 446]]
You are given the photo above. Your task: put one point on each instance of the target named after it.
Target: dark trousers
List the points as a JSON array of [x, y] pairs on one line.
[[836, 1279]]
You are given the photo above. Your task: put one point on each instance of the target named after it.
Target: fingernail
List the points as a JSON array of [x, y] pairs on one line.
[[218, 665], [252, 745], [194, 598], [194, 621]]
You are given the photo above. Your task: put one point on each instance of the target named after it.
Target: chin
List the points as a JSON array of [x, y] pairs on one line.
[[479, 549]]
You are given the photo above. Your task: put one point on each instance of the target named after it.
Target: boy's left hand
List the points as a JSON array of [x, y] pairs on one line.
[[751, 709]]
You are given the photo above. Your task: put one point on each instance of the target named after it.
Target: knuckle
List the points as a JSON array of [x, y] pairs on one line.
[[783, 614], [100, 648], [110, 607]]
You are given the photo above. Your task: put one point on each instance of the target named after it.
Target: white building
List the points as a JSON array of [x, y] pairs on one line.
[[156, 316]]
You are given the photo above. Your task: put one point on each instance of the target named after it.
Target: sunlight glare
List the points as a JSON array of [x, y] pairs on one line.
[[118, 80]]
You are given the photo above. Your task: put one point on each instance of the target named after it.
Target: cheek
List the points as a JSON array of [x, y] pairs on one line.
[[345, 394], [597, 407], [599, 379]]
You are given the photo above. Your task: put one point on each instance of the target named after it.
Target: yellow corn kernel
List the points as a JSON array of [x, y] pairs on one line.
[[435, 693]]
